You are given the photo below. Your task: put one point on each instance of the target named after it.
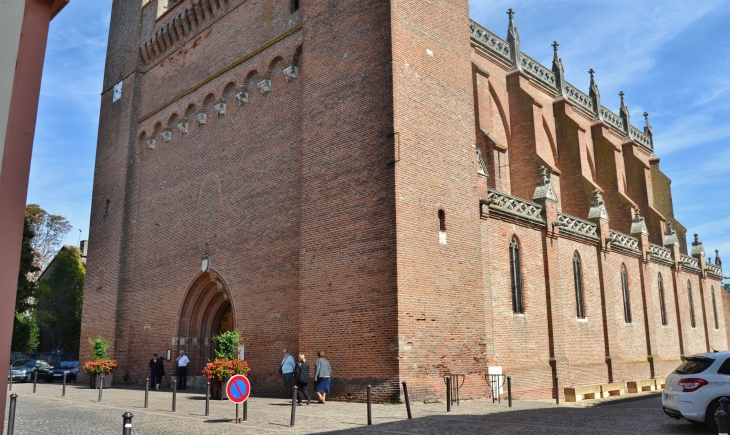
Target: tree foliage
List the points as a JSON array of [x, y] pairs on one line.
[[26, 286], [59, 299], [25, 326], [49, 232], [26, 334], [726, 286]]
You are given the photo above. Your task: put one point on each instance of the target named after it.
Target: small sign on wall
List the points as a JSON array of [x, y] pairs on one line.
[[240, 352]]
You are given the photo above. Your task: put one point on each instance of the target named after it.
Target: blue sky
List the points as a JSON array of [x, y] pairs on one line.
[[670, 58]]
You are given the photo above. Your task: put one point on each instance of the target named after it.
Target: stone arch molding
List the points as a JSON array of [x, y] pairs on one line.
[[202, 306], [250, 83]]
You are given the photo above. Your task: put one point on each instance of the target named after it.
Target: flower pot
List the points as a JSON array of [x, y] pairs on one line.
[[95, 381], [218, 390]]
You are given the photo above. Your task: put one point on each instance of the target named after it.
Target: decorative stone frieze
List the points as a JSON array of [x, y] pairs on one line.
[[489, 40], [660, 253], [242, 98], [151, 144], [166, 135], [578, 227], [220, 109], [265, 86], [291, 72], [201, 118], [501, 202], [620, 240], [183, 126], [689, 262]]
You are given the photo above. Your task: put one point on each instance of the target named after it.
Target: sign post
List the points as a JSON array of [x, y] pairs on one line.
[[238, 390]]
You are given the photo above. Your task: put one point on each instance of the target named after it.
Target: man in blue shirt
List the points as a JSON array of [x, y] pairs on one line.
[[287, 371]]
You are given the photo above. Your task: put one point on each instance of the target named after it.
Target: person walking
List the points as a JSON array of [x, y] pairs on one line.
[[301, 379], [153, 370], [159, 371], [322, 377], [287, 371], [182, 369]]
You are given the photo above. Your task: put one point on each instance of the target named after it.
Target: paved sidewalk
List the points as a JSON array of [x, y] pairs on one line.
[[80, 413]]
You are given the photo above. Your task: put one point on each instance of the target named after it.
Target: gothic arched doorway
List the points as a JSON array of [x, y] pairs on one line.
[[206, 312]]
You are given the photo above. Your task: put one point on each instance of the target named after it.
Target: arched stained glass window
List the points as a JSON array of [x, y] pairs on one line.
[[516, 276]]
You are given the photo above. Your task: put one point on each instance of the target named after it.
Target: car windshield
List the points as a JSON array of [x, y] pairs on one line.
[[694, 365], [24, 363], [69, 364]]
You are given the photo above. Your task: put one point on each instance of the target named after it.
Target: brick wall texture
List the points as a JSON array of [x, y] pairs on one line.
[[310, 153]]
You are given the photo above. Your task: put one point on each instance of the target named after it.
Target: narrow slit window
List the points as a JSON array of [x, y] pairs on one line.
[[578, 279], [105, 210], [442, 227], [691, 304], [294, 5], [714, 307], [662, 306], [625, 291], [516, 276]]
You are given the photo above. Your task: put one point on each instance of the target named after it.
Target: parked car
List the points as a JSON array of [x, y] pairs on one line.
[[71, 368], [22, 370], [694, 389]]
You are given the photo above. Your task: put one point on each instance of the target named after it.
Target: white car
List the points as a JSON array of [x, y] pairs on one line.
[[694, 389]]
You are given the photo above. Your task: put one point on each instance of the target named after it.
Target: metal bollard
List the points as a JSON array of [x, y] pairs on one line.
[[370, 407], [174, 394], [245, 410], [101, 386], [11, 414], [725, 405], [408, 401], [207, 400], [509, 391], [237, 419], [721, 419], [293, 406], [147, 393], [127, 423], [557, 392], [448, 394], [63, 391], [35, 381]]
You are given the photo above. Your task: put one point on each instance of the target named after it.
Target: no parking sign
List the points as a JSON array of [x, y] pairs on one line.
[[238, 389]]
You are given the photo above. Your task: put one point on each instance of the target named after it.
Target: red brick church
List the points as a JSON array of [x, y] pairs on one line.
[[387, 181]]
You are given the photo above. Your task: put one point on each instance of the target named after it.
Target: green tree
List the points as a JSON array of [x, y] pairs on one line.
[[25, 326], [227, 344], [49, 230], [726, 286], [59, 299]]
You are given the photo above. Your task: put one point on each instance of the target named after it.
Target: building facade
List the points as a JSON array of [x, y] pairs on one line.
[[368, 179]]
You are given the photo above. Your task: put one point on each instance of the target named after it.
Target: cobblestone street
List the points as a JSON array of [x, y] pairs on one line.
[[80, 413]]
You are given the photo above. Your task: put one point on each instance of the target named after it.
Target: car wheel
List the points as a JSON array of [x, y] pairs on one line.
[[710, 414]]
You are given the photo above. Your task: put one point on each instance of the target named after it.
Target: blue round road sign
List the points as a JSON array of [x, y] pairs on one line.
[[238, 389]]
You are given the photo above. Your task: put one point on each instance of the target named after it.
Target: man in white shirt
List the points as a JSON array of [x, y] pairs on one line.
[[182, 370]]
